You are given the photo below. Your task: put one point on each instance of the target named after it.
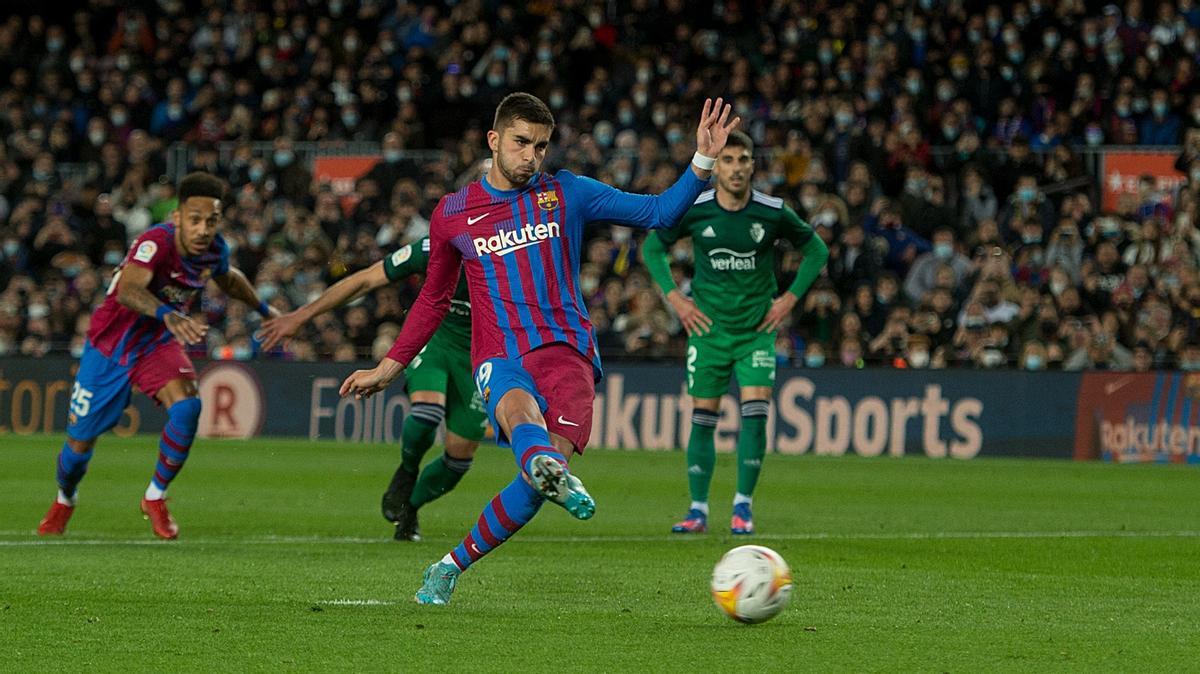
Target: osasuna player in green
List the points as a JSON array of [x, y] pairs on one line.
[[732, 322], [438, 381]]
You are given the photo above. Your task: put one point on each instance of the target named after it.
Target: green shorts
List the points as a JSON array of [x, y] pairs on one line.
[[712, 357], [444, 366]]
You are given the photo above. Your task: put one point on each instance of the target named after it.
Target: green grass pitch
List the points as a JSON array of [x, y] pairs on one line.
[[283, 563]]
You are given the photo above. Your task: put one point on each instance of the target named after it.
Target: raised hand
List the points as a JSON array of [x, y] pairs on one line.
[[715, 127]]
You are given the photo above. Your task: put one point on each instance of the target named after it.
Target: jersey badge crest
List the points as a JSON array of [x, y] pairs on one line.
[[757, 232], [548, 201], [709, 232]]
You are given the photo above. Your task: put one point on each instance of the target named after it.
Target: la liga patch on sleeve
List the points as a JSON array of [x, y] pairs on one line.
[[145, 251], [402, 255]]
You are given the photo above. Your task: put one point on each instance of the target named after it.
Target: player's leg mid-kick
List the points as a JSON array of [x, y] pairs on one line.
[[516, 407]]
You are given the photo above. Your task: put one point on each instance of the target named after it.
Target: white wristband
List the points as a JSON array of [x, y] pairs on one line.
[[704, 163]]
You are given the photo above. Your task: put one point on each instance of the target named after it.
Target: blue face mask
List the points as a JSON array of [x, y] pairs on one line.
[[1034, 362], [11, 248], [1027, 194], [943, 251], [814, 360], [113, 258]]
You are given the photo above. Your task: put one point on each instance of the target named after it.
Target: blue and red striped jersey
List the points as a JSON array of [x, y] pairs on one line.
[[520, 253], [121, 333]]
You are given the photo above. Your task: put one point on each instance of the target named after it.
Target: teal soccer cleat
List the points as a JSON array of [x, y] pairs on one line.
[[552, 480], [438, 584]]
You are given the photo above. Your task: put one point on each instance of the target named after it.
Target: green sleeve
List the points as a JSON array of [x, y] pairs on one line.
[[657, 260], [407, 260], [793, 229], [816, 253]]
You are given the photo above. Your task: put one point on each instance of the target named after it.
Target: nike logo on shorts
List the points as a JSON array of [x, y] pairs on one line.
[[564, 422]]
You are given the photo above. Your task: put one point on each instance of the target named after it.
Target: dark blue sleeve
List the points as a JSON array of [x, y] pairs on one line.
[[223, 261], [600, 202]]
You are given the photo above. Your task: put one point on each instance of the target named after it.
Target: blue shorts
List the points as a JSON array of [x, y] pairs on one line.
[[495, 377], [100, 395], [559, 378]]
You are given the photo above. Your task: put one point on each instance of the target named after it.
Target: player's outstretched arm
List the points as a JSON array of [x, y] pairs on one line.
[[604, 203], [354, 286], [654, 255], [133, 292], [235, 284]]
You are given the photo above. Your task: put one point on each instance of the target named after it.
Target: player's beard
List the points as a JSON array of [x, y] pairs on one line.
[[740, 191], [518, 175]]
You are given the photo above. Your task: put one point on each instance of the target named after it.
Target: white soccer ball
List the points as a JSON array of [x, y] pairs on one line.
[[751, 584]]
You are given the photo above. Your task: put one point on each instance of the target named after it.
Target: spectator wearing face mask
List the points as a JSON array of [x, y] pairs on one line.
[[814, 355], [1033, 356], [1161, 126], [1102, 352], [922, 277], [1026, 203]]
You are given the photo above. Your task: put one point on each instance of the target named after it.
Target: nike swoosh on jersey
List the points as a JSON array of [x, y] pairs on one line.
[[471, 221]]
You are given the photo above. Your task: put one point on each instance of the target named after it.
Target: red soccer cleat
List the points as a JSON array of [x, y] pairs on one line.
[[55, 521], [164, 525]]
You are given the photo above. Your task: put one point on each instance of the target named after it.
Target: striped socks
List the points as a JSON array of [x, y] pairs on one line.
[[71, 468], [510, 510], [530, 440], [182, 419]]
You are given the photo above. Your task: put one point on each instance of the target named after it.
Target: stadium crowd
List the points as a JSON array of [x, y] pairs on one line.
[[938, 148]]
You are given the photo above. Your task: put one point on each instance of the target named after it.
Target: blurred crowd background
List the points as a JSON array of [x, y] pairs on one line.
[[943, 149]]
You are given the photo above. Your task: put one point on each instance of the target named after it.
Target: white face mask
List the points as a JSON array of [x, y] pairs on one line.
[[919, 359]]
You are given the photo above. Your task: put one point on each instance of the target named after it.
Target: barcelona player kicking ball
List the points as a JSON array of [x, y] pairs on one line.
[[517, 234], [137, 337]]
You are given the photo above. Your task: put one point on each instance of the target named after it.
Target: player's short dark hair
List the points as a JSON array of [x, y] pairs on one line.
[[520, 105], [201, 184], [740, 139]]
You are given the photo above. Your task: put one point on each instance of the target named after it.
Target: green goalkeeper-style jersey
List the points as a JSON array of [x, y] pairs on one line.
[[412, 259], [734, 253]]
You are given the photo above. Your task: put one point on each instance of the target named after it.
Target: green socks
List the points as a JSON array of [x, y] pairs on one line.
[[418, 433], [701, 454], [751, 444], [439, 477]]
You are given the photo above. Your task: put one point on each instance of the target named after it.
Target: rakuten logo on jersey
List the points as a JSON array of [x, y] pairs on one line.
[[724, 259], [508, 241]]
